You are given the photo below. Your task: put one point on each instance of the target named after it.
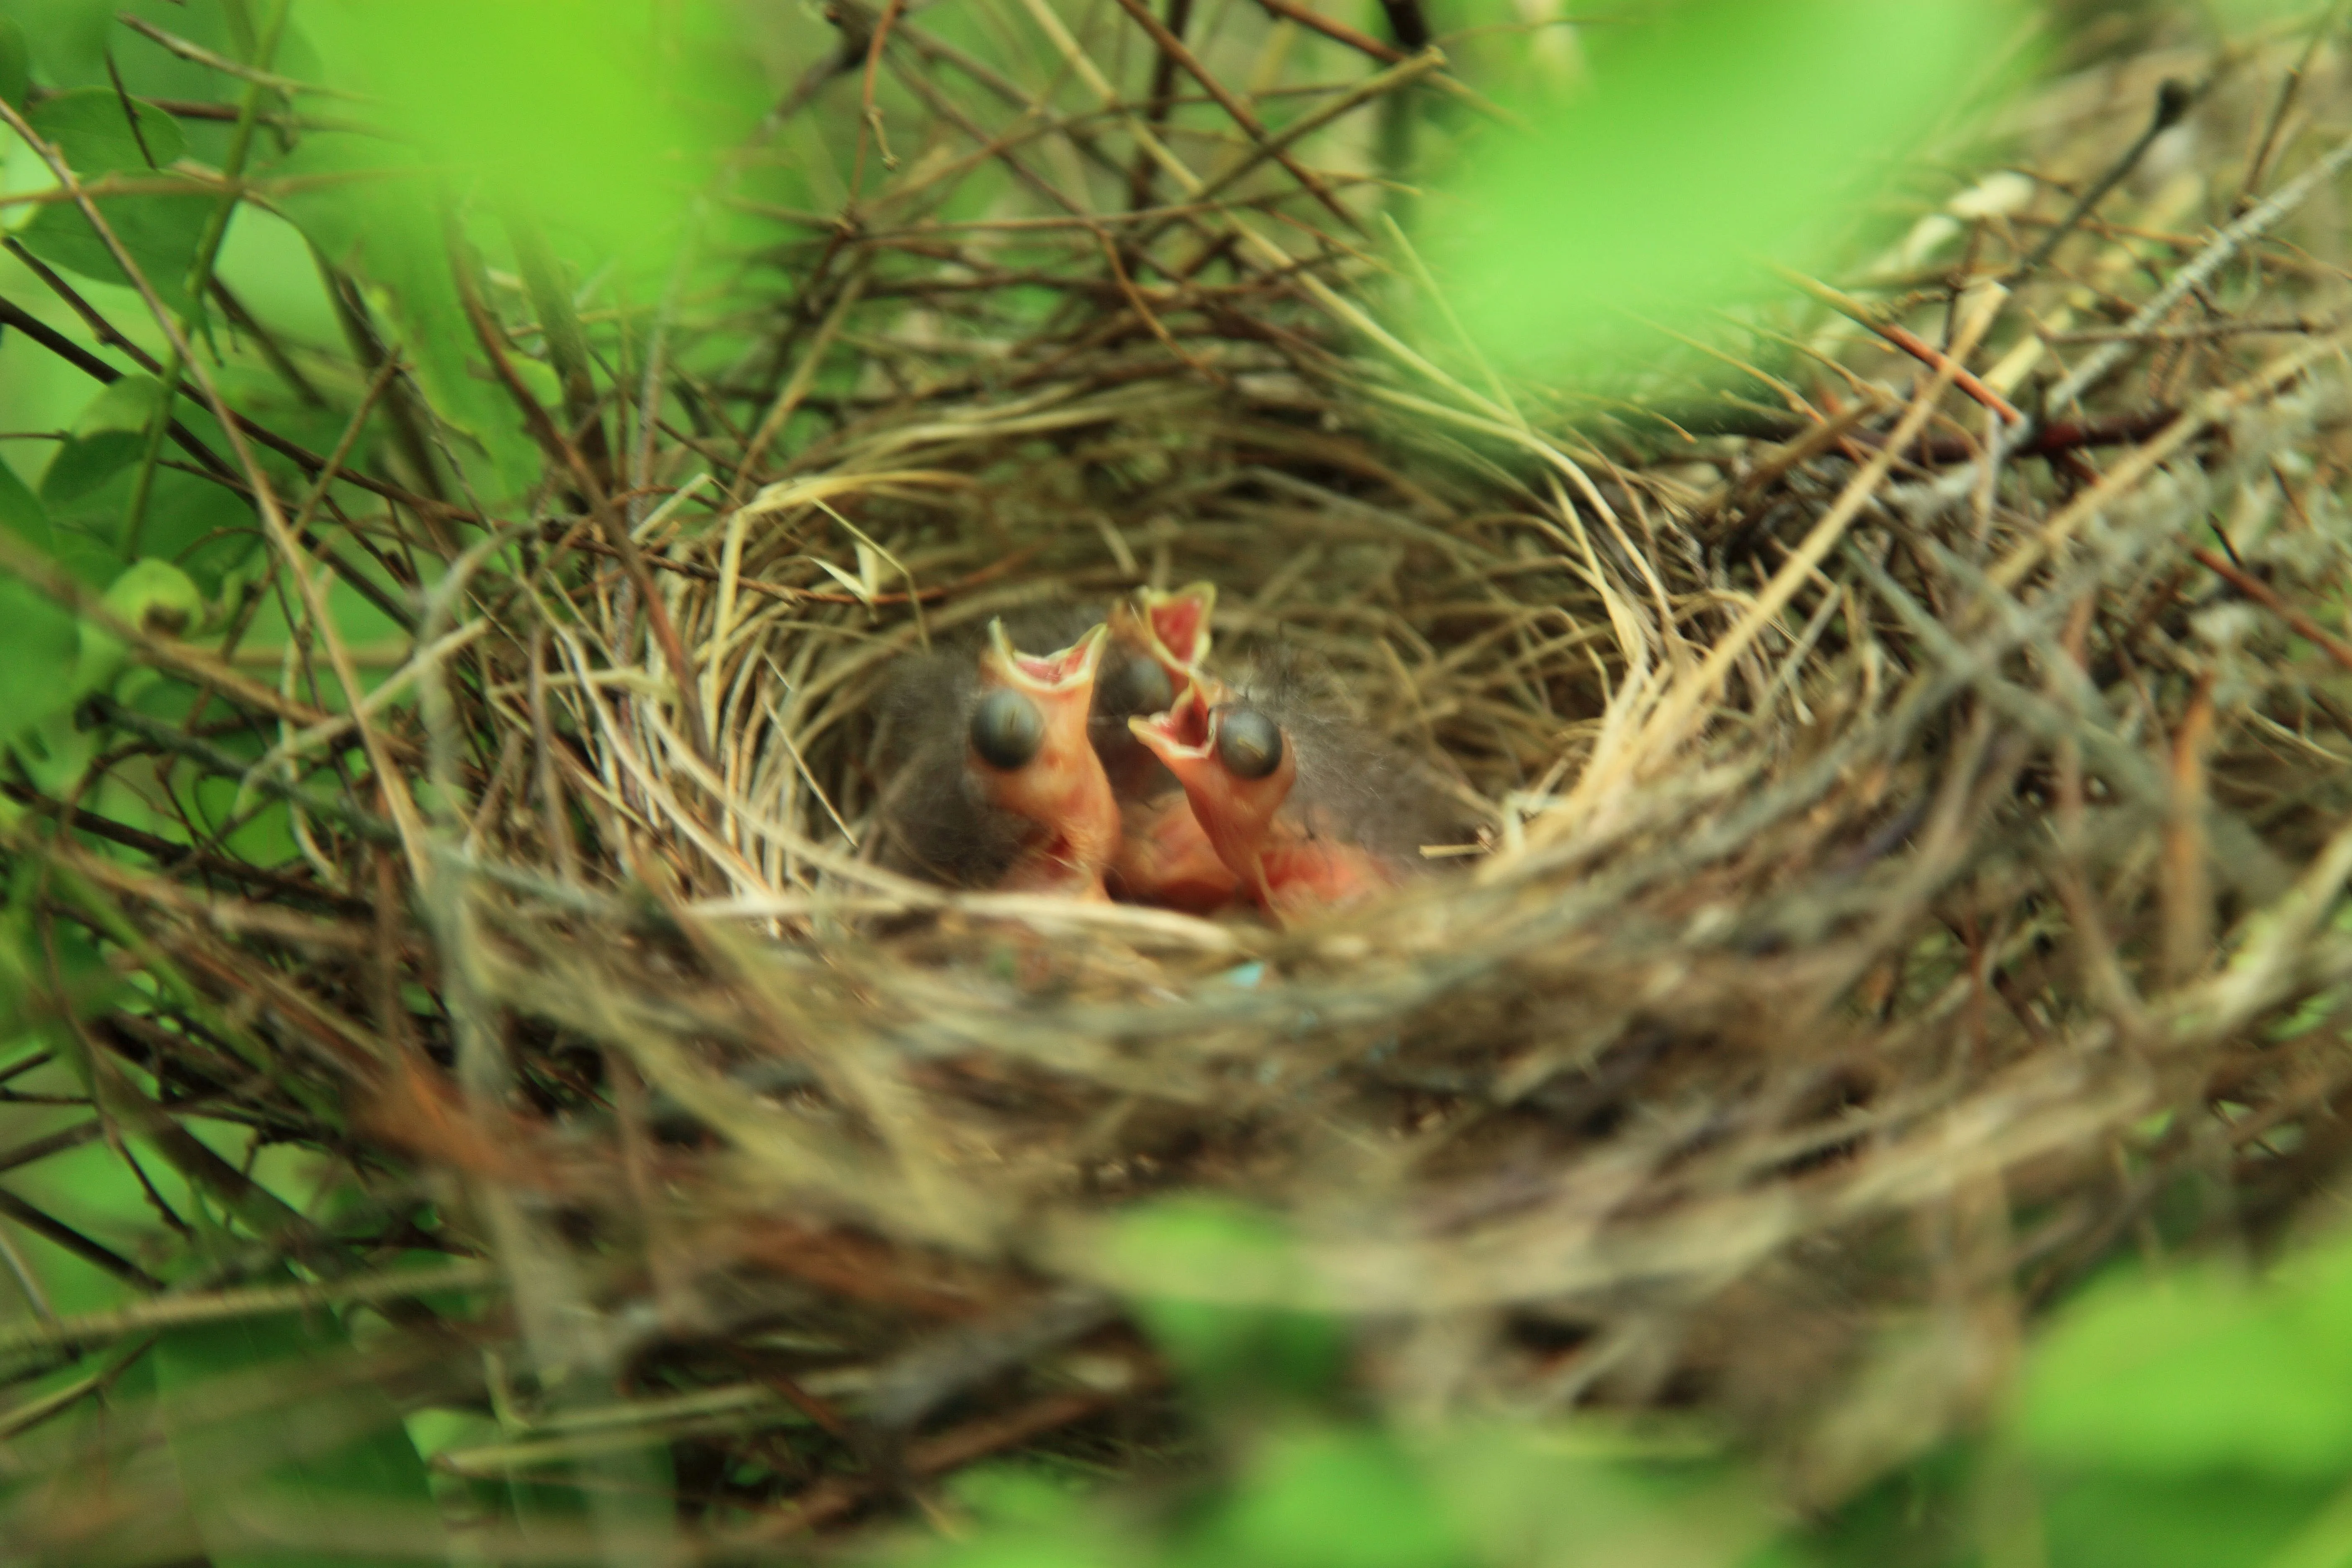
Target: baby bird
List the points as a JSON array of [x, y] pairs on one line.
[[995, 782], [1118, 766], [1164, 858], [1305, 813], [1157, 641], [1034, 758]]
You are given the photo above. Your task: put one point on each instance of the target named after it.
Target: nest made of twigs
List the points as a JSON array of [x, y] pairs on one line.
[[1895, 872]]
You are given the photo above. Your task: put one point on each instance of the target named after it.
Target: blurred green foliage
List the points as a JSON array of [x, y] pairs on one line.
[[1713, 135], [223, 1393], [2192, 1418], [608, 116]]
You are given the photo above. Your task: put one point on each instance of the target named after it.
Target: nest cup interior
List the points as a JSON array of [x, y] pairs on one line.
[[1439, 615]]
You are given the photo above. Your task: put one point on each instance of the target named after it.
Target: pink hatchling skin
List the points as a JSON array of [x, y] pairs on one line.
[[1285, 860], [1164, 858], [1061, 791]]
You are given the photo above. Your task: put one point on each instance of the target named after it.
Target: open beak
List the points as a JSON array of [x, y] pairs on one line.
[[1157, 641], [1180, 737], [1234, 812], [1170, 629], [1050, 678], [1032, 756], [1179, 622]]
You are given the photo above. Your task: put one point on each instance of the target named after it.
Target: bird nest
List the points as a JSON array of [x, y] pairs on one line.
[[1904, 835]]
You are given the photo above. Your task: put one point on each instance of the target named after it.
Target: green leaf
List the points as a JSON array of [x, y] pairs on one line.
[[1714, 131], [1036, 1547], [38, 651], [2201, 1371], [387, 230], [269, 1421], [21, 512], [566, 102], [156, 595], [1923, 1516], [1009, 1494], [266, 835], [56, 753], [1589, 1491], [38, 687], [68, 37], [1202, 1247], [128, 404], [152, 594], [90, 128], [85, 503], [1329, 1498], [1175, 1254], [83, 464], [161, 232], [16, 62], [2231, 1520]]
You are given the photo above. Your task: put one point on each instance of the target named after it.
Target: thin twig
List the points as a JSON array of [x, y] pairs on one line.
[[197, 54], [1173, 48], [2173, 100], [2217, 254], [2262, 594], [247, 1302]]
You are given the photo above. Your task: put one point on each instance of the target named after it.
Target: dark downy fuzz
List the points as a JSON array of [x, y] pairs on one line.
[[991, 779]]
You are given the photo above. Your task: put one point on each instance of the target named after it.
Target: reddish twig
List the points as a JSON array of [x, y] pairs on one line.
[[835, 1496], [2262, 594], [1934, 359], [1388, 54], [1155, 112], [2060, 435], [1909, 342], [873, 116], [1337, 32]]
